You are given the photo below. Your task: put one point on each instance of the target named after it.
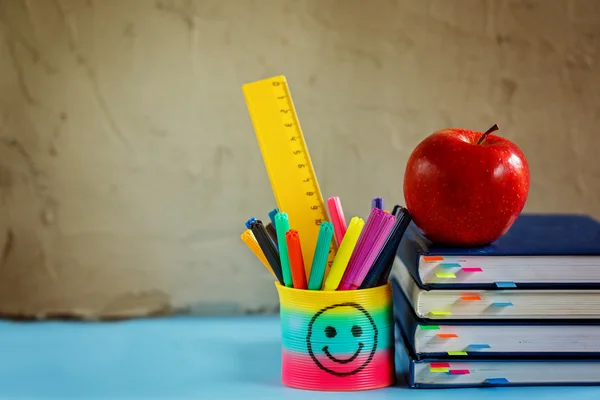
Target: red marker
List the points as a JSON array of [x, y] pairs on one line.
[[296, 261]]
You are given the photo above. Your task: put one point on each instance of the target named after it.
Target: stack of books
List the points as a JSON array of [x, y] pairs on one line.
[[524, 310]]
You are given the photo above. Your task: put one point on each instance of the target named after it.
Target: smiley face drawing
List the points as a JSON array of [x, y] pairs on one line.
[[342, 339]]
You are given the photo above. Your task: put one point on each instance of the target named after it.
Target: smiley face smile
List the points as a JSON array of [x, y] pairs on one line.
[[346, 361]]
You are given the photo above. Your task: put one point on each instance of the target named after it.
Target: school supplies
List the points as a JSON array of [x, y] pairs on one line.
[[526, 307], [249, 222], [271, 231], [272, 215], [362, 261], [380, 238], [248, 238], [539, 251], [287, 160], [296, 262], [477, 373], [496, 304], [480, 339], [377, 202], [283, 224], [379, 272], [317, 271], [365, 241], [336, 213], [268, 248], [344, 254]]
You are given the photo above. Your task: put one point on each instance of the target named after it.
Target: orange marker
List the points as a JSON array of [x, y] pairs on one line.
[[296, 261], [248, 238]]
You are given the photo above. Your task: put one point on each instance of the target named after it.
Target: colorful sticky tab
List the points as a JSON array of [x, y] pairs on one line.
[[470, 297], [429, 327], [447, 335], [496, 381], [449, 265], [445, 275], [440, 313], [439, 365], [457, 353], [459, 372], [502, 304], [475, 346], [432, 258], [471, 269], [505, 284], [439, 370]]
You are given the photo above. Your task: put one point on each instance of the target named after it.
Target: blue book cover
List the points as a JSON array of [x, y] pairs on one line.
[[538, 251]]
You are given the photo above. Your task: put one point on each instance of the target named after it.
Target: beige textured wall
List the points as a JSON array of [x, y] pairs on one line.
[[128, 163]]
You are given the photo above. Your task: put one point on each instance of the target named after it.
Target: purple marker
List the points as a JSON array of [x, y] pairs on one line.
[[377, 202], [380, 238], [364, 243]]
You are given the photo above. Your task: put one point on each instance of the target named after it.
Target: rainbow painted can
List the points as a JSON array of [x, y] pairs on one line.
[[337, 340]]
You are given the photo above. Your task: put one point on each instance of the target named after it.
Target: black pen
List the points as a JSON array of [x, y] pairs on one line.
[[406, 222], [272, 233], [268, 248]]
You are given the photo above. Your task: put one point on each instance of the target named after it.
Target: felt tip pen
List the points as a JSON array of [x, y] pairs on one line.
[[319, 264], [377, 202], [364, 244], [380, 237], [268, 248], [336, 213], [344, 253], [296, 261], [282, 221], [248, 238]]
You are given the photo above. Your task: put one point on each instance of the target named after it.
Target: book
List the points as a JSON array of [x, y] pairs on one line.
[[494, 339], [488, 304], [432, 373], [538, 251], [439, 373]]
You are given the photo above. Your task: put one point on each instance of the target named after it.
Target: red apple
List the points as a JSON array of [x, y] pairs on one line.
[[465, 188]]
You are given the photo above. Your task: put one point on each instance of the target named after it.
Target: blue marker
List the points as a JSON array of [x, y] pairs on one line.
[[272, 215], [250, 221]]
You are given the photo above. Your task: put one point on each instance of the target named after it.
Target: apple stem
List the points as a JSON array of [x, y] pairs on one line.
[[492, 129]]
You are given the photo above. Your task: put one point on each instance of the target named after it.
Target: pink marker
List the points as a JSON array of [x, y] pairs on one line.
[[380, 237], [336, 213], [364, 243]]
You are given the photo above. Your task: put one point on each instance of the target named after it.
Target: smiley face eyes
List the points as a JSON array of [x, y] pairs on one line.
[[330, 331]]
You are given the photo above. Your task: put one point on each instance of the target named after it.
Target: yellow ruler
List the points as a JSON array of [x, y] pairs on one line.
[[287, 161]]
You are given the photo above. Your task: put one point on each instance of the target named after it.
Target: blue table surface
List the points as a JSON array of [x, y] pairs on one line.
[[181, 358]]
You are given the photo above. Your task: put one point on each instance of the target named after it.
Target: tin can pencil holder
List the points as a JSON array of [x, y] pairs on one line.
[[337, 340]]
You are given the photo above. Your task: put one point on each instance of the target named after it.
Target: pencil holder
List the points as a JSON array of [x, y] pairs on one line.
[[337, 340]]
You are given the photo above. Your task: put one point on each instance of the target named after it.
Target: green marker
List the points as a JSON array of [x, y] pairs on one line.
[[317, 271], [282, 225]]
